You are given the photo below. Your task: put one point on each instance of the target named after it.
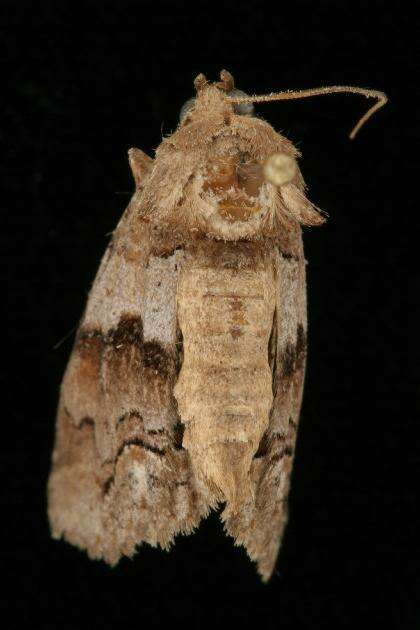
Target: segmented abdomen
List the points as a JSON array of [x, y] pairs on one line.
[[226, 302]]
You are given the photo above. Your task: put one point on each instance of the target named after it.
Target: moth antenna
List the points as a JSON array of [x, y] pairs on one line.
[[199, 82], [382, 99], [226, 82]]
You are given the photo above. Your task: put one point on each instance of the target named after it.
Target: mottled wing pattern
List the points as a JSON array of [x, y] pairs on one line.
[[120, 475], [260, 525]]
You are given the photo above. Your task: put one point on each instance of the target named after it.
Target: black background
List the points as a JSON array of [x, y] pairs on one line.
[[82, 82]]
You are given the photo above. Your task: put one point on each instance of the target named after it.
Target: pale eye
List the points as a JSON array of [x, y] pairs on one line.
[[243, 109], [186, 108]]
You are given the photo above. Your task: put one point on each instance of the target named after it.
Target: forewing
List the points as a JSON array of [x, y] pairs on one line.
[[120, 475], [260, 525]]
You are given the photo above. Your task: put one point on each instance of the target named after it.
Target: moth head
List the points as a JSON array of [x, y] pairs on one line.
[[224, 173], [227, 174], [226, 86]]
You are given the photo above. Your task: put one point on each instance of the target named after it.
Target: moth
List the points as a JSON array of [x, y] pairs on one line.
[[184, 386]]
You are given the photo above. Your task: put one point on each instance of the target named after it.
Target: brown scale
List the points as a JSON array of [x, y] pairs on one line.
[[236, 179]]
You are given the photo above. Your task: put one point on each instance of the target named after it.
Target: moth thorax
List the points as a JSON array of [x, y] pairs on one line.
[[235, 181]]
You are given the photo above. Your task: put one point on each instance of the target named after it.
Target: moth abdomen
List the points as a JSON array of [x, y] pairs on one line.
[[224, 390]]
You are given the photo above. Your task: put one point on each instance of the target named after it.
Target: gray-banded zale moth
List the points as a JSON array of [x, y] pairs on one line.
[[184, 386]]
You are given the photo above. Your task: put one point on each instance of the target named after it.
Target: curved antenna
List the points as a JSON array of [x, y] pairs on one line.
[[322, 91]]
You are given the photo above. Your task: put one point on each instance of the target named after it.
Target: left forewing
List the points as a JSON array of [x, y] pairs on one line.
[[120, 475]]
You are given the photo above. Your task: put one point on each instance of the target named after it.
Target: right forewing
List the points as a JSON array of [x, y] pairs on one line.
[[260, 525]]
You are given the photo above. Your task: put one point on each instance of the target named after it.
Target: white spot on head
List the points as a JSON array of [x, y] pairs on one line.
[[279, 169]]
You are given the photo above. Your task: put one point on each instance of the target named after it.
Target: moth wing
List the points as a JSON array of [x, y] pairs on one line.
[[260, 524], [120, 475]]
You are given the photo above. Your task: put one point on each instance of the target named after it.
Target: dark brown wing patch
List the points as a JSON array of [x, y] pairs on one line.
[[120, 476]]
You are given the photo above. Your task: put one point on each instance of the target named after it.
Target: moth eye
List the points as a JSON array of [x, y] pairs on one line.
[[186, 108], [243, 109]]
